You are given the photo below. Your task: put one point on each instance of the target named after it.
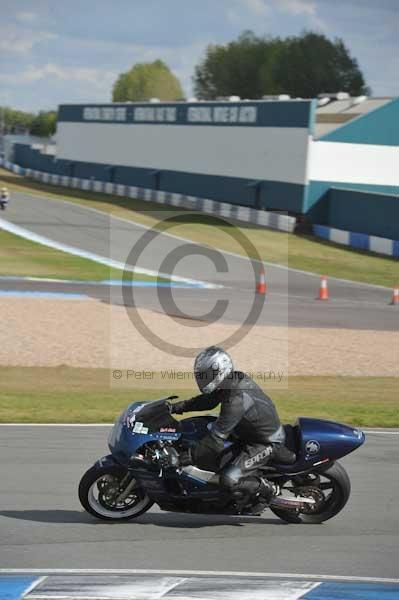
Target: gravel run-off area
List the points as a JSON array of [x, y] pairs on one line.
[[89, 333]]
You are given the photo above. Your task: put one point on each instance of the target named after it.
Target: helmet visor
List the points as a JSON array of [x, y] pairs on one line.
[[207, 380]]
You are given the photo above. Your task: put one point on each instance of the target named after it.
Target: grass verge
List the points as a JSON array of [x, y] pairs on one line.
[[21, 257], [296, 251], [67, 395]]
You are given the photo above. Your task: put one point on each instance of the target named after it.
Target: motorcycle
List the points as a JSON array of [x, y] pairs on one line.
[[4, 201], [138, 473]]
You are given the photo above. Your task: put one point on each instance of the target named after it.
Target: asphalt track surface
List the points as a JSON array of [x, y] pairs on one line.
[[41, 522], [291, 294], [43, 526]]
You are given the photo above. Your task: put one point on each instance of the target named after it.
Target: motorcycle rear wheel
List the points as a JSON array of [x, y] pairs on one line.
[[339, 484], [100, 488]]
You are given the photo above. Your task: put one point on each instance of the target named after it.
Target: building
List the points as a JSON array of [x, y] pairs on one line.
[[331, 161]]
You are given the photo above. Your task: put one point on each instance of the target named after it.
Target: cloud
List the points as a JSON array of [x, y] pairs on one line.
[[298, 7], [96, 77], [119, 56], [306, 8], [22, 42], [26, 17], [257, 7], [294, 7]]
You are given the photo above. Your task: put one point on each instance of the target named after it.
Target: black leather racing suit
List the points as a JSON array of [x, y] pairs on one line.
[[247, 416]]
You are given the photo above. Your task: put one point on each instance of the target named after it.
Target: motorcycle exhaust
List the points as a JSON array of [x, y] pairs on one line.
[[295, 502]]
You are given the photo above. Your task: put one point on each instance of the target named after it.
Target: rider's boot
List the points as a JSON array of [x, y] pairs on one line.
[[266, 491]]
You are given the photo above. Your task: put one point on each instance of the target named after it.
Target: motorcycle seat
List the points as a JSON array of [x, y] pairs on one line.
[[286, 454]]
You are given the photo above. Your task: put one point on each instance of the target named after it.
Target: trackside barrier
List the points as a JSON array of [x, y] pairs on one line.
[[222, 209], [361, 241]]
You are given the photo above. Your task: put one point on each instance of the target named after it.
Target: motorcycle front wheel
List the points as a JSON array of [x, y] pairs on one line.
[[330, 490], [111, 493]]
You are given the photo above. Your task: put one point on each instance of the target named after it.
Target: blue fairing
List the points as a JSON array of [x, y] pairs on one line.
[[335, 439], [319, 440], [124, 442], [315, 441]]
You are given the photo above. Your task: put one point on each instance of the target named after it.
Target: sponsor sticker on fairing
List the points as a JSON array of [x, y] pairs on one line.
[[312, 447]]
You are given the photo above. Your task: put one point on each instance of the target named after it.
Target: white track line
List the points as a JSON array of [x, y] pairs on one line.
[[102, 260], [177, 237], [377, 431], [33, 585], [183, 573]]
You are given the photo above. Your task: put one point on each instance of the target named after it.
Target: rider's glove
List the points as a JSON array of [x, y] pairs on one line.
[[173, 458], [176, 460], [177, 408]]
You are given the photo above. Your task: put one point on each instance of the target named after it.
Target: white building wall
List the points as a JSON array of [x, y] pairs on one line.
[[274, 153], [354, 163]]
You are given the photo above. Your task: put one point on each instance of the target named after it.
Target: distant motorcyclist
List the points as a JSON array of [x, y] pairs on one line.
[[247, 416], [4, 197]]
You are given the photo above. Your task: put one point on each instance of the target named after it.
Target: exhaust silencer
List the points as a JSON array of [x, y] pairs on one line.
[[294, 502]]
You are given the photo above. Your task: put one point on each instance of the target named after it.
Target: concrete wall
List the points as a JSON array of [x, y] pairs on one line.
[[246, 152], [361, 241], [364, 212], [249, 153], [363, 167], [260, 218], [363, 156]]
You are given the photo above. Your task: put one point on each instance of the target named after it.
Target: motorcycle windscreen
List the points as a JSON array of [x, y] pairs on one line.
[[150, 417]]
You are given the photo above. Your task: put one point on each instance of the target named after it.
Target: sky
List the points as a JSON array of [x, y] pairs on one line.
[[61, 51]]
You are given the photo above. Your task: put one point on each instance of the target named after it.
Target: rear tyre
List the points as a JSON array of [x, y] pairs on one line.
[[335, 487], [110, 493]]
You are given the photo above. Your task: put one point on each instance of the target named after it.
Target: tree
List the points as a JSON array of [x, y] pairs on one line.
[[14, 121], [147, 80], [252, 67], [311, 64], [242, 67], [44, 125]]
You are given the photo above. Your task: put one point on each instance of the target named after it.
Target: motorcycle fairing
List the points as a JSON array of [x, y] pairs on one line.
[[124, 442], [315, 441], [319, 440]]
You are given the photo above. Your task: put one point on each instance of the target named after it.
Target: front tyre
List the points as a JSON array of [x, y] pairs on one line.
[[331, 490], [111, 493]]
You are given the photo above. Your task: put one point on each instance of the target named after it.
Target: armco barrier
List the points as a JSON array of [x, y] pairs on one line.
[[222, 209], [361, 241]]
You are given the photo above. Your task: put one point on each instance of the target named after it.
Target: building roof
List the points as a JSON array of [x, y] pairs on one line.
[[336, 113]]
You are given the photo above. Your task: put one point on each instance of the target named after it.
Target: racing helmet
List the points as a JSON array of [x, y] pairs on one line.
[[211, 367]]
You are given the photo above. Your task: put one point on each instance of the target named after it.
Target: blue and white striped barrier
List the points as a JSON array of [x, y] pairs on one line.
[[151, 586], [222, 209], [362, 241]]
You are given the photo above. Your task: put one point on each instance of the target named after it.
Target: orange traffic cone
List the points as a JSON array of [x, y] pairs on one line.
[[261, 286], [323, 291], [395, 296]]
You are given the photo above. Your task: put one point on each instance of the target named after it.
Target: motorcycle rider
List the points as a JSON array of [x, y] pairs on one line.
[[247, 415], [4, 197]]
